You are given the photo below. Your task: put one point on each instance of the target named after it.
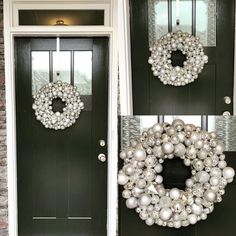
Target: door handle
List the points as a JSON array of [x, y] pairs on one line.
[[227, 100], [102, 157], [102, 143], [226, 113]]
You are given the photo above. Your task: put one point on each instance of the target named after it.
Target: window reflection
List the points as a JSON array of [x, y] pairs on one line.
[[83, 72], [62, 66], [40, 70], [158, 19], [206, 21], [185, 15]]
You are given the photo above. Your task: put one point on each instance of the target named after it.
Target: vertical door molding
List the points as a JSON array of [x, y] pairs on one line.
[[234, 91], [125, 74]]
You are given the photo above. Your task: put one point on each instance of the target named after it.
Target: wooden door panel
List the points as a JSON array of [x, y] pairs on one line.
[[57, 194], [206, 94]]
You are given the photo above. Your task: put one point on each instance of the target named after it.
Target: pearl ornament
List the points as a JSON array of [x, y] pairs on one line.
[[228, 173], [145, 200], [165, 214], [131, 203], [174, 193], [122, 179], [140, 155]]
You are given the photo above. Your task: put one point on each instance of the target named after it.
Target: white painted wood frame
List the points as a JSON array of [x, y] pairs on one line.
[[10, 33]]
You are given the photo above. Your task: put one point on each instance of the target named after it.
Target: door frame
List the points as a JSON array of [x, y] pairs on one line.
[[10, 33]]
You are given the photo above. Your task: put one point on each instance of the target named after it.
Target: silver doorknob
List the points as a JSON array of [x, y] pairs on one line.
[[227, 100], [102, 143], [102, 157], [226, 114]]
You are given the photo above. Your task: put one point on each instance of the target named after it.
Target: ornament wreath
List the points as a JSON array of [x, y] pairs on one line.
[[143, 183], [43, 105], [160, 58]]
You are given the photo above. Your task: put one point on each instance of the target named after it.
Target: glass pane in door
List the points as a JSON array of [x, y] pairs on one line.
[[185, 15], [206, 22], [83, 71], [40, 69], [157, 19], [62, 66]]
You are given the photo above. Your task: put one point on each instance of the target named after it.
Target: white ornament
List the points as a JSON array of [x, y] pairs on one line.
[[143, 183], [160, 58], [43, 105]]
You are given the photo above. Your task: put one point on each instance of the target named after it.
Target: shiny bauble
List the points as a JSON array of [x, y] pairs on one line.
[[158, 168], [139, 154], [179, 150], [167, 148], [122, 179], [202, 177], [165, 214], [159, 179], [141, 183], [192, 218], [228, 173], [126, 194], [150, 221], [175, 193], [165, 202], [131, 203], [189, 183], [210, 195], [197, 209], [145, 200]]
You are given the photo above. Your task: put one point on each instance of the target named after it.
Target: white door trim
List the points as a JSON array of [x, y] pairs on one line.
[[125, 68], [9, 34]]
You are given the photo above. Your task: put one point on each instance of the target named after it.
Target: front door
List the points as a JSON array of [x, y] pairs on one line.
[[213, 22], [62, 186]]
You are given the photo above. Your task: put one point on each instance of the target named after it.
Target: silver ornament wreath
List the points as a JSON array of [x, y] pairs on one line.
[[43, 105], [160, 58], [143, 182]]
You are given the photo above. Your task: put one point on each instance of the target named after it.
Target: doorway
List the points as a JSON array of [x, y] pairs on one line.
[[56, 170]]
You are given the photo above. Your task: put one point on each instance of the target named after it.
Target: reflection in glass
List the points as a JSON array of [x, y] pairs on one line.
[[196, 120], [83, 72], [62, 66], [40, 70], [206, 22], [225, 127], [158, 19], [185, 15]]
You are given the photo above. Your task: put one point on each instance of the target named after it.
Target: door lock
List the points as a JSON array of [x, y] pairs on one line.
[[226, 114], [102, 143], [227, 100], [102, 157]]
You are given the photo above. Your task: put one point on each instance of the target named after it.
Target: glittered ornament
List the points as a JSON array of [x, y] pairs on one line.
[[143, 182]]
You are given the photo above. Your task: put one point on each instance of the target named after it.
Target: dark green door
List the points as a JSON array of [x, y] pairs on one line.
[[213, 22], [62, 186]]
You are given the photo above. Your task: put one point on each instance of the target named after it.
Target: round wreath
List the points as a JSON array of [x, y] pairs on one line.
[[43, 105], [160, 58], [143, 183]]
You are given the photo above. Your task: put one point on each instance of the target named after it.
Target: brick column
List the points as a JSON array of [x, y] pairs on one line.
[[3, 156]]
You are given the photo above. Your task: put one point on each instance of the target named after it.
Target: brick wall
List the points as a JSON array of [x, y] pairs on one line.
[[3, 161]]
